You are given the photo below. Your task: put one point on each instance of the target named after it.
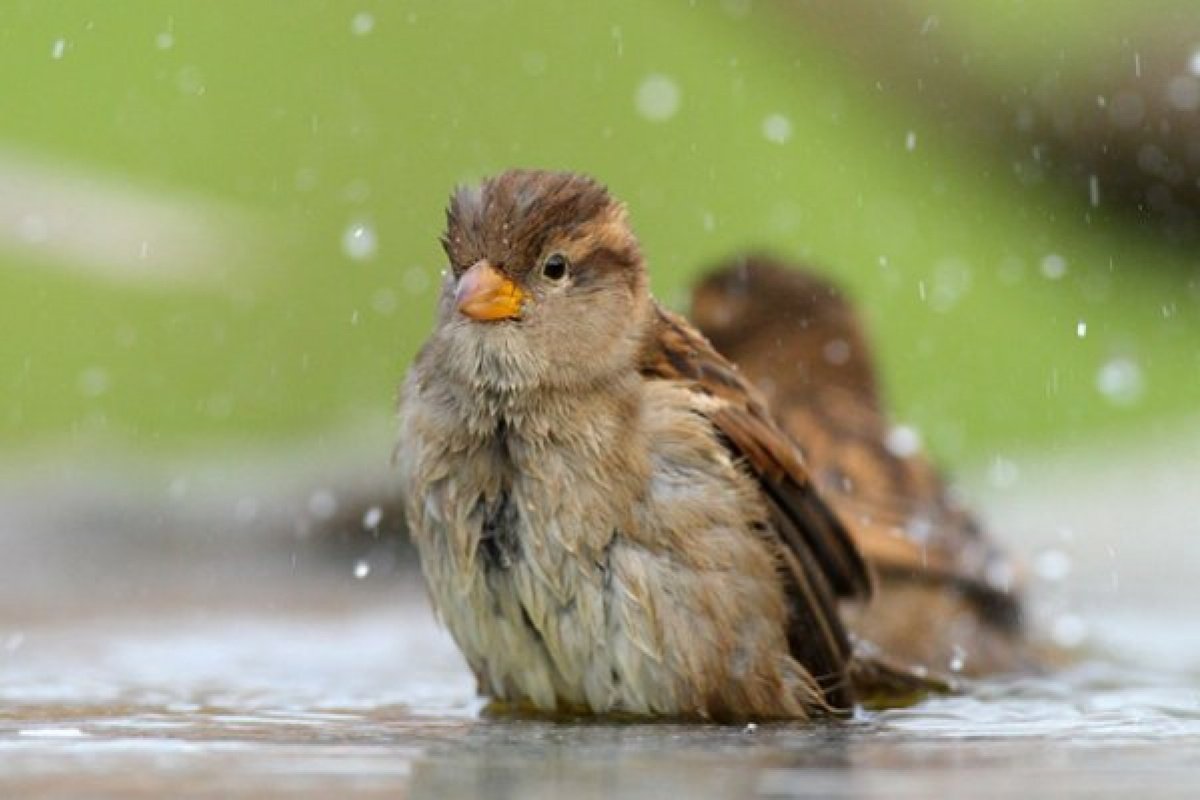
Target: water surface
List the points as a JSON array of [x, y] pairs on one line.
[[216, 663]]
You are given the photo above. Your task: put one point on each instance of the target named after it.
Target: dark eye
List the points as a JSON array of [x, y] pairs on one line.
[[555, 267]]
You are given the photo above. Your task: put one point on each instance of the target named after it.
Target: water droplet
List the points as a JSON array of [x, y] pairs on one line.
[[1120, 380], [372, 518], [362, 568], [1054, 266], [362, 23], [1068, 630], [322, 504], [910, 141], [657, 98], [359, 242], [1094, 191], [58, 49], [836, 352], [958, 658], [777, 128], [903, 441], [1081, 329], [1052, 565], [164, 40]]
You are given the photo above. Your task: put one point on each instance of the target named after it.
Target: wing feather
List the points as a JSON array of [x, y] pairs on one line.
[[821, 561]]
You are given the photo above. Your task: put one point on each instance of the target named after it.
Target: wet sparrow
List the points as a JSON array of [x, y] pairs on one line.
[[609, 519]]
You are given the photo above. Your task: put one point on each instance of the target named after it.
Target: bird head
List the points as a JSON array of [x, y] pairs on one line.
[[546, 282]]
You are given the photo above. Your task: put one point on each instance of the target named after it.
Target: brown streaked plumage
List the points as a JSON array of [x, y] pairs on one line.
[[609, 517], [945, 598]]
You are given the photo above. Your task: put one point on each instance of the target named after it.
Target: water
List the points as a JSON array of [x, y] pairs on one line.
[[144, 654]]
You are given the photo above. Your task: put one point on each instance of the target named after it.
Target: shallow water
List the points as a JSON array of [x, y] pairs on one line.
[[238, 669]]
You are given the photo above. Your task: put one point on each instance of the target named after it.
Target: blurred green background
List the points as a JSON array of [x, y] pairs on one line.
[[218, 222]]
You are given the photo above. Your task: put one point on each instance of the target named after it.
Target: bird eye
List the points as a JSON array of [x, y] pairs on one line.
[[555, 267]]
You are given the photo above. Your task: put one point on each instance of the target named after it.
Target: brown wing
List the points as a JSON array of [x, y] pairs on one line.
[[822, 561], [798, 340]]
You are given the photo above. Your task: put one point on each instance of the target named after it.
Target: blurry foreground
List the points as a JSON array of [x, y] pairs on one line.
[[158, 647]]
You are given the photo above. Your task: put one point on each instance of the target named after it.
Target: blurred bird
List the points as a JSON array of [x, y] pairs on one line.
[[945, 598], [612, 519]]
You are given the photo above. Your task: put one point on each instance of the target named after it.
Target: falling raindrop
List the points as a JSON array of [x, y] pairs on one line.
[[1068, 630], [362, 23], [1120, 380], [58, 49], [910, 141], [657, 98], [372, 518], [1052, 565], [1054, 266], [362, 568], [1081, 329], [903, 441], [359, 242], [958, 658], [777, 128]]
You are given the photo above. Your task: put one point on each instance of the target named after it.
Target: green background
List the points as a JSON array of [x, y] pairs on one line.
[[279, 126]]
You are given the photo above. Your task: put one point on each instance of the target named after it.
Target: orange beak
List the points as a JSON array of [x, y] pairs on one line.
[[485, 294]]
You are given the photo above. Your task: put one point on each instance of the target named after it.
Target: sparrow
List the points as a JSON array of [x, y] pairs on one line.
[[609, 516], [946, 598]]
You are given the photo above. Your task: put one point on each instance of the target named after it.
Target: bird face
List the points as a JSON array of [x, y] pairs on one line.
[[546, 282]]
